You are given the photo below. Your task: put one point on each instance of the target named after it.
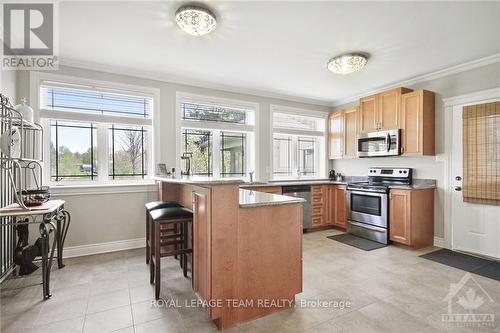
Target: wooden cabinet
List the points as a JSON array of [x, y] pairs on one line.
[[368, 111], [411, 217], [342, 135], [335, 135], [418, 123], [318, 216], [340, 206], [381, 111]]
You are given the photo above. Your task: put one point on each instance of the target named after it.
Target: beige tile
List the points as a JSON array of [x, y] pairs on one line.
[[108, 321], [352, 322], [57, 310], [74, 325], [168, 324], [146, 292], [107, 301], [19, 321], [149, 310], [106, 286]]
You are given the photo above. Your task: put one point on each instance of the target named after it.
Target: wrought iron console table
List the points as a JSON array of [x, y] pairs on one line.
[[53, 218]]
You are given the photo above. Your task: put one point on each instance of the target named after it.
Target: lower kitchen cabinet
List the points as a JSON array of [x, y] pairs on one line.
[[411, 217], [318, 199], [340, 206]]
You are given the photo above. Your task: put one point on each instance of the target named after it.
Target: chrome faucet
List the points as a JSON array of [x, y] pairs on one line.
[[251, 176]]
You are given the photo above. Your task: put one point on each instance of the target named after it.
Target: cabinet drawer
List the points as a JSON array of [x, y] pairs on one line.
[[316, 210], [316, 189], [316, 221], [316, 199]]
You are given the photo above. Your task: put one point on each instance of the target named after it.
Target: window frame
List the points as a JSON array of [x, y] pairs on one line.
[[250, 129], [321, 160], [102, 123]]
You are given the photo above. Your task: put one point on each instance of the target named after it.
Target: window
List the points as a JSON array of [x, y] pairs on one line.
[[298, 143], [97, 134], [218, 135]]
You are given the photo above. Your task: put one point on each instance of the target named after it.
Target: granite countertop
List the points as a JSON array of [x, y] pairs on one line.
[[196, 180], [418, 184], [249, 199]]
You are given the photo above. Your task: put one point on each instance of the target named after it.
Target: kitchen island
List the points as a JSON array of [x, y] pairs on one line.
[[247, 247]]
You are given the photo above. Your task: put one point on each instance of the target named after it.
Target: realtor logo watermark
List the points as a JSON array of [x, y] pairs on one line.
[[30, 40], [469, 305]]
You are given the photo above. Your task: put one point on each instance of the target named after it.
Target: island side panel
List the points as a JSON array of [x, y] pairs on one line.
[[269, 257], [224, 223]]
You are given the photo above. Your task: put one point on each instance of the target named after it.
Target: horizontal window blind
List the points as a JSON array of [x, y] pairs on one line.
[[481, 153]]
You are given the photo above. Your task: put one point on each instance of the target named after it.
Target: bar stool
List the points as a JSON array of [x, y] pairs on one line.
[[173, 216], [150, 206]]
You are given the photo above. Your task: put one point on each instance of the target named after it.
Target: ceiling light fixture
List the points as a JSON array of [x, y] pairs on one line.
[[195, 20], [347, 63]]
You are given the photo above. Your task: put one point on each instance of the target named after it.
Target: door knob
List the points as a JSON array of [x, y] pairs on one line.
[[458, 188], [458, 178]]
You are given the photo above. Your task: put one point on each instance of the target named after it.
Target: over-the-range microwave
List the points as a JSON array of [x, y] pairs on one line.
[[381, 143]]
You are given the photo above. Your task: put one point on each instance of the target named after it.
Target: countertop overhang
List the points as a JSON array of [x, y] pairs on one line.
[[249, 199], [194, 180]]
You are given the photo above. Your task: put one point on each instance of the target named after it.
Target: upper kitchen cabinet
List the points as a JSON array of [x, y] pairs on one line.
[[381, 111], [350, 133], [389, 106], [335, 135], [343, 130], [418, 123], [368, 109]]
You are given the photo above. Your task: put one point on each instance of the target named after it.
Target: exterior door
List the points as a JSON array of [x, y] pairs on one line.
[[475, 227]]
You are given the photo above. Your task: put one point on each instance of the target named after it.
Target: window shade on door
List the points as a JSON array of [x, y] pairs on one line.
[[481, 153]]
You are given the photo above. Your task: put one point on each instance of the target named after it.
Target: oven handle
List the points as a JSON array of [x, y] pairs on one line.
[[361, 225], [370, 193]]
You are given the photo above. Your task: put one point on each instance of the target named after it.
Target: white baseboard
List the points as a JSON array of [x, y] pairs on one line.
[[439, 242], [90, 249]]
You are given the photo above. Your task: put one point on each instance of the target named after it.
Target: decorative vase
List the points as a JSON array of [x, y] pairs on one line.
[[25, 110]]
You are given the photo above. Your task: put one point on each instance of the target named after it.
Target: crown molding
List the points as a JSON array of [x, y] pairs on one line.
[[495, 58], [175, 79]]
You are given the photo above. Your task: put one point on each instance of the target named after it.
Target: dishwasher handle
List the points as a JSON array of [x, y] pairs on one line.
[[296, 188]]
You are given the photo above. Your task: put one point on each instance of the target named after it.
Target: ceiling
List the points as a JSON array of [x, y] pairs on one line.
[[283, 47]]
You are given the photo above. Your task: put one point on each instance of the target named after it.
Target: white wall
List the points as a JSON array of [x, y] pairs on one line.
[[109, 217], [8, 81], [430, 167]]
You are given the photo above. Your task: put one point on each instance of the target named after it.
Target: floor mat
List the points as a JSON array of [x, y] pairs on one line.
[[468, 263], [358, 242]]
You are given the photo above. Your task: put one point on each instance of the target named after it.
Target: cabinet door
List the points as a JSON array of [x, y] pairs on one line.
[[340, 206], [399, 216], [350, 133], [335, 135], [389, 106], [330, 205], [201, 243], [411, 111], [368, 110]]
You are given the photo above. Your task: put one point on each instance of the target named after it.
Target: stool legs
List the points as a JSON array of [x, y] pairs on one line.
[[157, 260]]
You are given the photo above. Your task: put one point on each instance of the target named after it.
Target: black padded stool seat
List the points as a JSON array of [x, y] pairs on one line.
[[161, 204], [171, 213], [150, 206]]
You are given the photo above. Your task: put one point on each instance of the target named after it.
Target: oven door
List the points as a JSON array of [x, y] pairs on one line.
[[368, 207], [383, 143]]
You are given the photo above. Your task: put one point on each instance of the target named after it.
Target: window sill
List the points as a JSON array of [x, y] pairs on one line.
[[87, 189]]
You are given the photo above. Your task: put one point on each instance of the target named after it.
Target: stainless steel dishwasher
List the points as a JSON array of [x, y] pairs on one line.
[[304, 192]]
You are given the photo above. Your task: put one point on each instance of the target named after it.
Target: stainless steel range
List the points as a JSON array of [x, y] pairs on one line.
[[368, 204]]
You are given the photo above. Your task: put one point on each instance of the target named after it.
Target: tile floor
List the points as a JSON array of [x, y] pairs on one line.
[[389, 290]]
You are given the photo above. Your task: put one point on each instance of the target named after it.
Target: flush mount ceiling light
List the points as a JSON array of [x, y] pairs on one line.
[[347, 63], [195, 20]]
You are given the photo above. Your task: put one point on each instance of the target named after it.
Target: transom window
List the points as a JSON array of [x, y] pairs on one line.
[[298, 143], [97, 134], [219, 135]]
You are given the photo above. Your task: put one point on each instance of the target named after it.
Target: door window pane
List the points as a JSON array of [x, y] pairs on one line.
[[127, 152], [73, 151], [297, 122], [232, 154], [282, 155], [199, 144], [306, 148]]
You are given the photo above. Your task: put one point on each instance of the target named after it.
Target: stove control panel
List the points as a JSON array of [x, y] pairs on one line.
[[390, 172]]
